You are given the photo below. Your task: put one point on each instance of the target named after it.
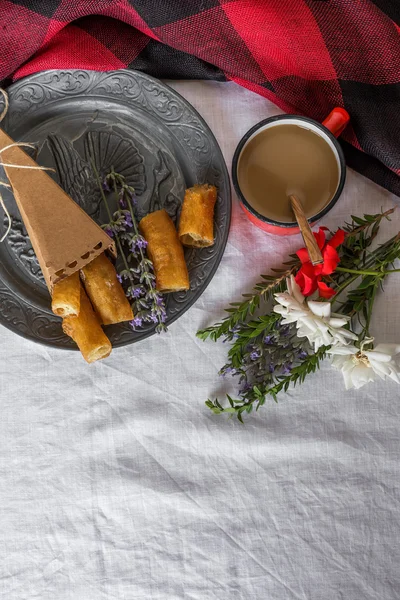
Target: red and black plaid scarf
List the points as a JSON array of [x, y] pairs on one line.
[[307, 56]]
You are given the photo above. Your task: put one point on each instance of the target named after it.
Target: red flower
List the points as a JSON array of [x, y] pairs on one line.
[[309, 277]]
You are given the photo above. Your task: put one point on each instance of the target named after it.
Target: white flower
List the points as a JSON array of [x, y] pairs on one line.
[[360, 366], [314, 320]]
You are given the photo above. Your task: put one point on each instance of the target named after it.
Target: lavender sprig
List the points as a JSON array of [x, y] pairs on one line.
[[263, 354], [148, 304], [137, 276]]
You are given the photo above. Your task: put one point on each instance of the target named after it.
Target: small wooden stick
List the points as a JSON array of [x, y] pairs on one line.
[[308, 236]]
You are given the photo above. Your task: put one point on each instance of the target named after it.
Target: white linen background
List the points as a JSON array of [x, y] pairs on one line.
[[116, 482]]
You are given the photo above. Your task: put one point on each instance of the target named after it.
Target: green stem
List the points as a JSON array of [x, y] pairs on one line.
[[110, 216], [368, 320], [135, 227], [355, 274], [103, 196], [360, 272], [116, 233], [343, 286]]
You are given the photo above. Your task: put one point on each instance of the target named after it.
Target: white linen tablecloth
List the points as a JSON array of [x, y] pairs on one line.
[[116, 482]]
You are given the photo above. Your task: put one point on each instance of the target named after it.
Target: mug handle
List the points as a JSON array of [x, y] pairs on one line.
[[336, 121]]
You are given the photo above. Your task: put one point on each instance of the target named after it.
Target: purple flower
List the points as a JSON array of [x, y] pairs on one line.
[[138, 243], [254, 355], [154, 318], [227, 371], [132, 196], [105, 186], [141, 242], [234, 332], [137, 292], [285, 330], [302, 354], [137, 322], [159, 300], [271, 368], [119, 278], [109, 231], [128, 220], [267, 339], [286, 369], [121, 199]]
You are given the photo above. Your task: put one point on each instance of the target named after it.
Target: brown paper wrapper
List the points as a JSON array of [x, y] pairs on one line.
[[63, 236]]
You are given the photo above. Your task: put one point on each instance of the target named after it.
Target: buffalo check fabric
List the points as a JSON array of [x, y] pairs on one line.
[[307, 56]]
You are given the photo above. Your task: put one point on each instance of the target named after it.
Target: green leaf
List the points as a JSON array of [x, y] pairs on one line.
[[366, 282], [257, 391], [357, 220]]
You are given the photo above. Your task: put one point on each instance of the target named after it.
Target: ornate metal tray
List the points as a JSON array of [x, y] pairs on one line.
[[142, 128]]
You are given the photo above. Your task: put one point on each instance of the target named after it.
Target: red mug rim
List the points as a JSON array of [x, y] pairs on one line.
[[250, 208]]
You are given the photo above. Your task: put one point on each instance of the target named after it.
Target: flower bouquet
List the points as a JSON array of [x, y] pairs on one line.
[[314, 312]]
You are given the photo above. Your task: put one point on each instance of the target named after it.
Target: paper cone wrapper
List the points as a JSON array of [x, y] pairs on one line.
[[63, 236]]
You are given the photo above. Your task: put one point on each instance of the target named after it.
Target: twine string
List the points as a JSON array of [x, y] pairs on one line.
[[22, 145], [6, 104], [3, 206]]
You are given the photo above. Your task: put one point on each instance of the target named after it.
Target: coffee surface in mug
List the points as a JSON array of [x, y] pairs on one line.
[[283, 160]]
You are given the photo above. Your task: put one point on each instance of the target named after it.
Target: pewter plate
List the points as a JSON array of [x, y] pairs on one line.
[[142, 128]]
